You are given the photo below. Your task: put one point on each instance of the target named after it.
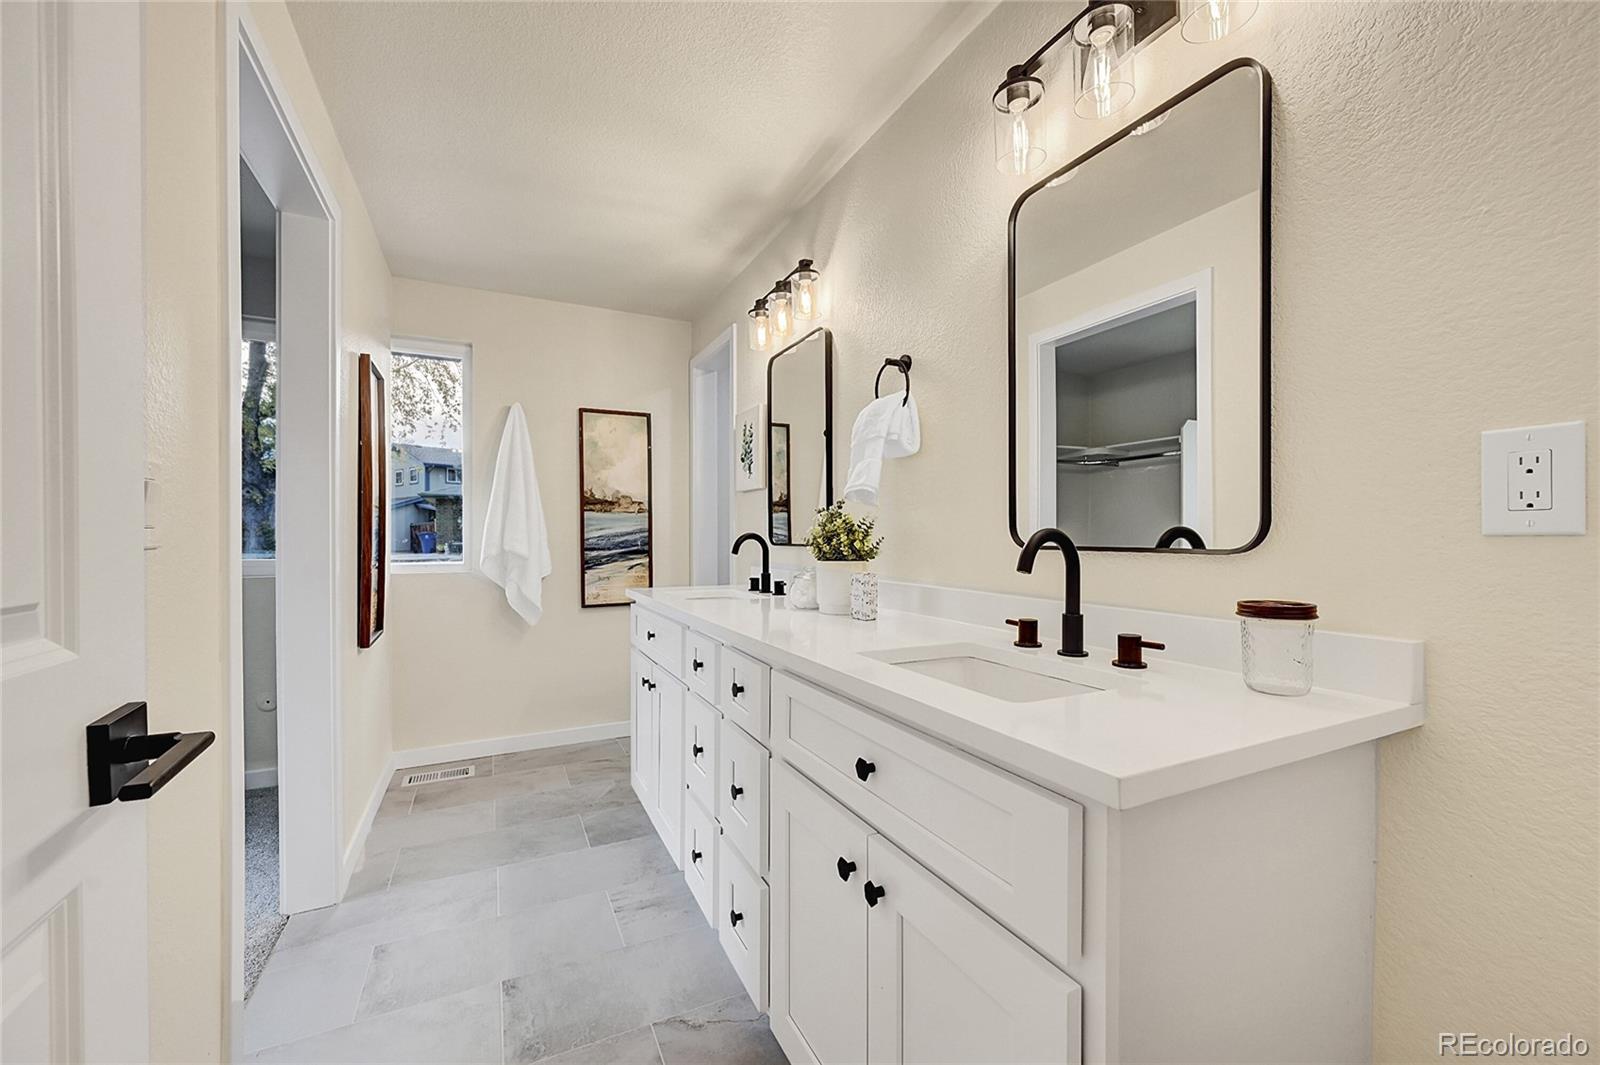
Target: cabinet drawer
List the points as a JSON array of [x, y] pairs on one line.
[[700, 750], [742, 794], [700, 653], [742, 923], [700, 857], [742, 691], [1013, 848], [659, 638]]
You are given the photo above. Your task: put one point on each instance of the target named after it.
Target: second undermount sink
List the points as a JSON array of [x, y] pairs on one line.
[[991, 671]]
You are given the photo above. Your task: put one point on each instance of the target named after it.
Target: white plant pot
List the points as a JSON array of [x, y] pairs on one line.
[[833, 585]]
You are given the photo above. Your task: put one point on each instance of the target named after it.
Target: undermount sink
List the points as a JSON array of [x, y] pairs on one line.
[[991, 671]]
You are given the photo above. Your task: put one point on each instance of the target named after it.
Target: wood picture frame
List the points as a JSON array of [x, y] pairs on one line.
[[372, 517], [616, 527]]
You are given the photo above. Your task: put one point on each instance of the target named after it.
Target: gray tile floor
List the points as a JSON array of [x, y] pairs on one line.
[[526, 913]]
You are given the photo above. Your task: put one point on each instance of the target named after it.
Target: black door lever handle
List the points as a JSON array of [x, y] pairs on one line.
[[127, 762]]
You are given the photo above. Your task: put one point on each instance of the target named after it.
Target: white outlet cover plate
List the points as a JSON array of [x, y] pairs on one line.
[[1569, 478]]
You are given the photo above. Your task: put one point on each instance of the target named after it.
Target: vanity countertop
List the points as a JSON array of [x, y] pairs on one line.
[[1147, 735]]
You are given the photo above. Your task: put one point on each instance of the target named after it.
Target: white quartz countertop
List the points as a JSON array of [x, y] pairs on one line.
[[1147, 735]]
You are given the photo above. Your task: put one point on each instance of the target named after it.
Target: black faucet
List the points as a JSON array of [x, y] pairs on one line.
[[1072, 617], [766, 558]]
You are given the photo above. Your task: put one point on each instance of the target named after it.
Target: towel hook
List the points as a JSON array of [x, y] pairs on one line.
[[903, 364]]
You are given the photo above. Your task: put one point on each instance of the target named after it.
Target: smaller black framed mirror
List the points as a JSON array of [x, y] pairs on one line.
[[799, 435], [1139, 330]]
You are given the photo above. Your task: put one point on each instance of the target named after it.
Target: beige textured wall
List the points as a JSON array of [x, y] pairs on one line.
[[187, 579], [1436, 274], [466, 667]]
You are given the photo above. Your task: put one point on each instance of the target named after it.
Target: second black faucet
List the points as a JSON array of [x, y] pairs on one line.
[[1072, 615], [766, 559]]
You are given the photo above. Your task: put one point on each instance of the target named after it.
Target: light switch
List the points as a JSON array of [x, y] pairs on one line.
[[1535, 481]]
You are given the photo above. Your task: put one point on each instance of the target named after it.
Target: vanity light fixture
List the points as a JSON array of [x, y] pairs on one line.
[[1205, 21], [795, 297], [760, 327], [1102, 60]]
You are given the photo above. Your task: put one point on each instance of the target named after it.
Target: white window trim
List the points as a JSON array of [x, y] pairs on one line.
[[461, 352]]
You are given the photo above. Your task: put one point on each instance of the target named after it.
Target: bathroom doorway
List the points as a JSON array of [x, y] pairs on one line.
[[711, 412]]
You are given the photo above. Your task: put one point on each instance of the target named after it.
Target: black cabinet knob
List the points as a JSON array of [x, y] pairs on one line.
[[738, 689], [652, 686], [846, 867], [697, 750], [695, 856], [697, 664], [734, 917], [864, 768], [735, 790], [649, 635], [644, 682], [873, 893]]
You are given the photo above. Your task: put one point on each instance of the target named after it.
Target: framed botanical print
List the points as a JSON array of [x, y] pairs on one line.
[[371, 513], [750, 449], [614, 502]]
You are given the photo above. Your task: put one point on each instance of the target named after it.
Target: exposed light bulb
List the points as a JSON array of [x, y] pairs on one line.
[[760, 329], [781, 311], [804, 285], [1099, 86], [1211, 20], [1020, 144]]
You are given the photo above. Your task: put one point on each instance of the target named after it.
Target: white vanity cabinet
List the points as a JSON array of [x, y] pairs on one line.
[[656, 758]]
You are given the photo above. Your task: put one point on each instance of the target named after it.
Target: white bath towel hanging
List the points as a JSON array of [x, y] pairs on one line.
[[516, 545], [886, 428]]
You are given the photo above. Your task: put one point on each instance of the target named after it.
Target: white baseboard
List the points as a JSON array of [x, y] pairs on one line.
[[261, 778], [528, 741], [455, 752]]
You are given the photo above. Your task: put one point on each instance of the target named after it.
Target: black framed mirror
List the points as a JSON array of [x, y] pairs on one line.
[[1139, 330], [799, 435]]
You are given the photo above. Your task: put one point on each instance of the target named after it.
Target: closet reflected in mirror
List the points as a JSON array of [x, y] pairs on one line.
[[1139, 331], [800, 426]]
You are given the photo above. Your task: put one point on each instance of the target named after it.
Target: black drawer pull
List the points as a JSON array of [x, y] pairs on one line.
[[649, 635], [738, 689], [652, 686], [873, 893], [846, 867], [864, 768], [735, 790], [697, 750], [695, 856], [734, 917], [697, 664], [644, 682]]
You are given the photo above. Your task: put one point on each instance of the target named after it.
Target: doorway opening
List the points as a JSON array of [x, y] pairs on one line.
[[712, 397], [283, 365]]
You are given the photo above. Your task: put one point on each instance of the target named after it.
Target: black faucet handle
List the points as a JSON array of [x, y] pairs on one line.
[[755, 584], [1027, 632], [1130, 650]]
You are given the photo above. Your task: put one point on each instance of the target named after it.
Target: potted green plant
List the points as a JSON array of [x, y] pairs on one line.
[[842, 546]]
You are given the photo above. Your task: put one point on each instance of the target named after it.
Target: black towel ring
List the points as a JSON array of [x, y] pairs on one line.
[[903, 364]]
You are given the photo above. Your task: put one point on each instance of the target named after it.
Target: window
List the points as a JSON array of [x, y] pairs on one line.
[[259, 457], [399, 478], [428, 419]]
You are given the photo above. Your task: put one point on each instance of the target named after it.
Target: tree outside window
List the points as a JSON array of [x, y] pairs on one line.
[[259, 465], [427, 419]]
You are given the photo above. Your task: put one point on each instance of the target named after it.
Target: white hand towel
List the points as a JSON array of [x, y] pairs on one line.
[[886, 428], [516, 545]]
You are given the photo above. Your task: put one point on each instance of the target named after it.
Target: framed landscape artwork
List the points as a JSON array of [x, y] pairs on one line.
[[614, 503], [750, 449], [778, 518], [371, 514]]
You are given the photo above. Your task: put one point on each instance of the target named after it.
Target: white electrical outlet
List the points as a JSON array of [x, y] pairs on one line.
[[1535, 481]]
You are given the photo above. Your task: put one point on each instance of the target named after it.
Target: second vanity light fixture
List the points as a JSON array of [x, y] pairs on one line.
[[1102, 39], [792, 299]]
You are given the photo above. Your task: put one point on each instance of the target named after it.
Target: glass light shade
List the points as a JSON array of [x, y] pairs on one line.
[[780, 309], [1204, 21], [804, 284], [1102, 61], [1018, 125], [760, 329]]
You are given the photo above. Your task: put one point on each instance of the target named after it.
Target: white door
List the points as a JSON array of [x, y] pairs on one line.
[[643, 751], [819, 923], [73, 964], [670, 783], [945, 983]]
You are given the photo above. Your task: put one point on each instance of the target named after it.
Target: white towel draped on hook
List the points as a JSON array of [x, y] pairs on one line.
[[516, 545], [887, 428]]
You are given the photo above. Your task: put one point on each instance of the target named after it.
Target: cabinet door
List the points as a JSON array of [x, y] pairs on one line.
[[945, 983], [644, 752], [670, 695], [819, 924]]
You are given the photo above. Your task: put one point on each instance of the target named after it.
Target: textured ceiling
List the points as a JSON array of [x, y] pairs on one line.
[[620, 155]]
